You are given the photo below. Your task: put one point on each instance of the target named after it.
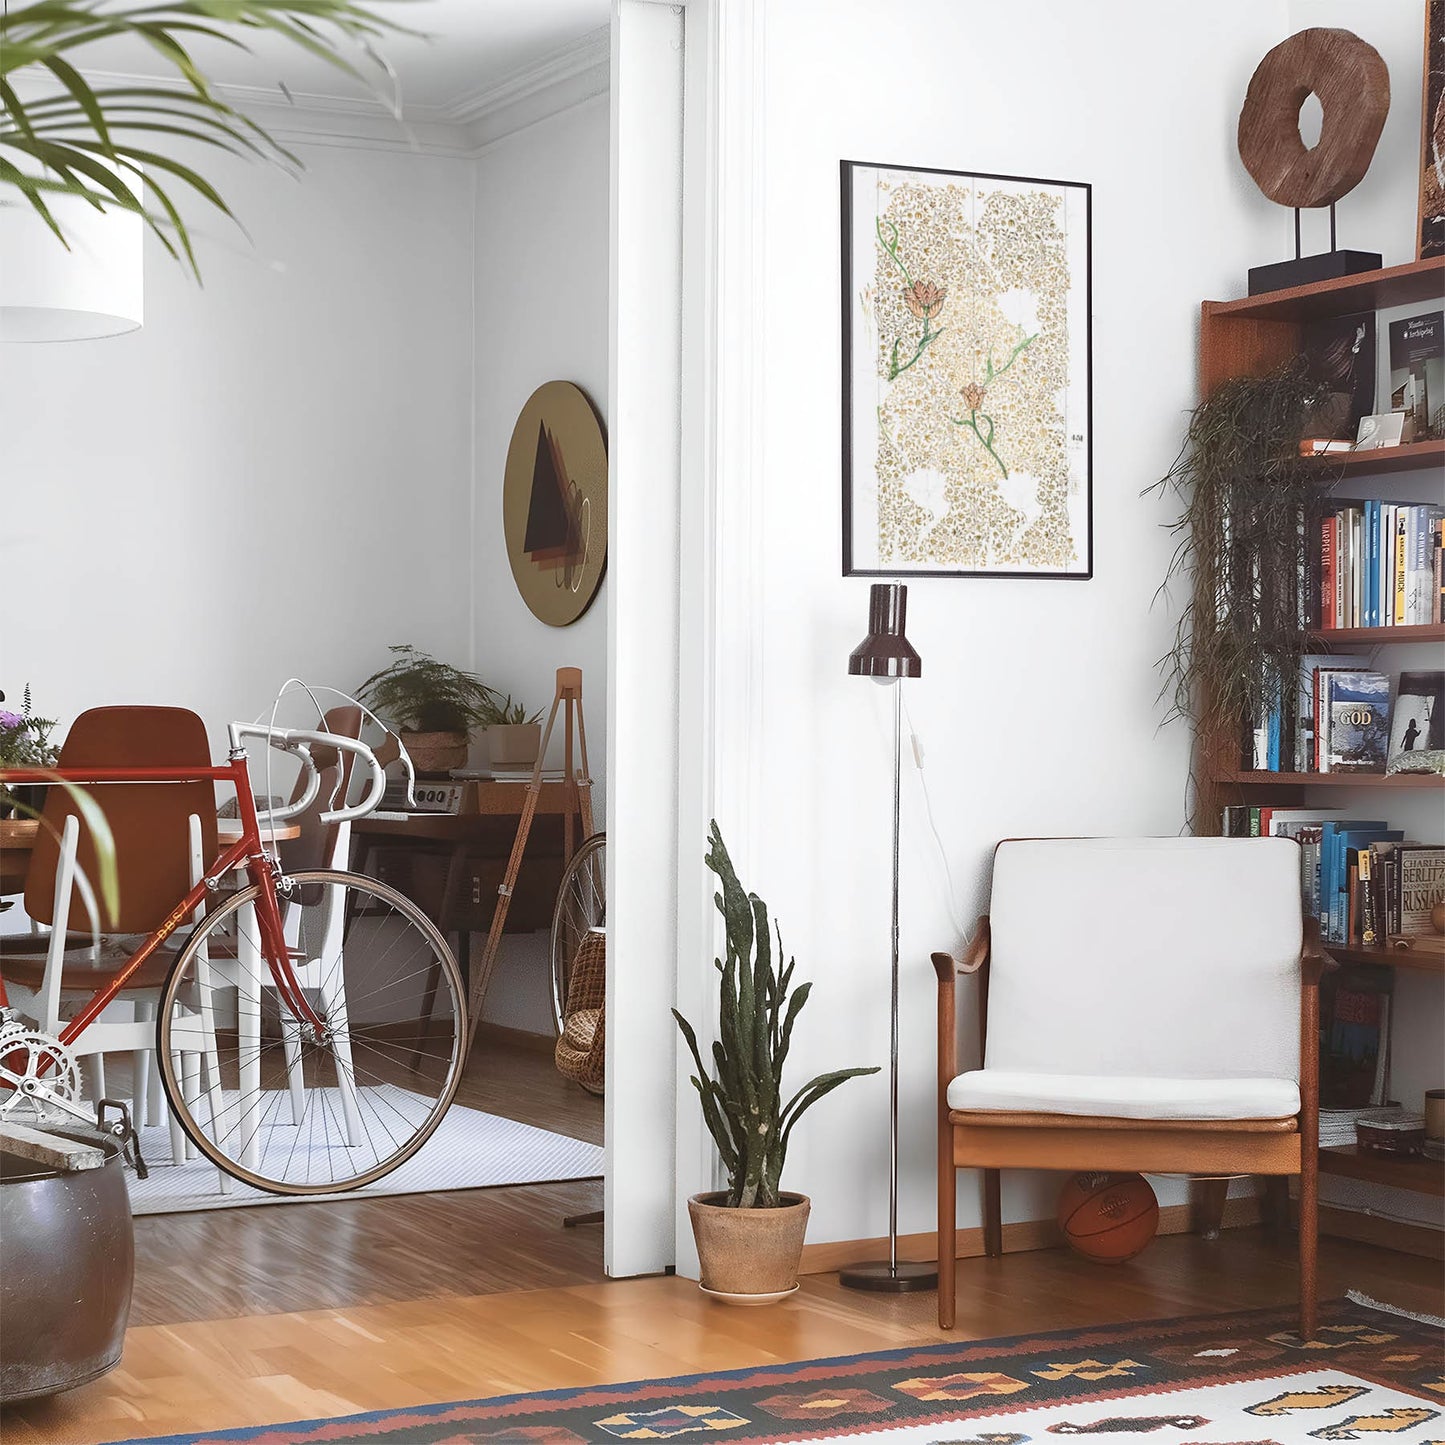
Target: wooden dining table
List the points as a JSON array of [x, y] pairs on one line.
[[18, 835]]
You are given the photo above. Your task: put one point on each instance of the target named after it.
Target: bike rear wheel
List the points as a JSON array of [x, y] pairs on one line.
[[581, 906], [268, 1098]]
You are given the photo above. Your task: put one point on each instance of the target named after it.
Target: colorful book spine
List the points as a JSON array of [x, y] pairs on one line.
[[1398, 607]]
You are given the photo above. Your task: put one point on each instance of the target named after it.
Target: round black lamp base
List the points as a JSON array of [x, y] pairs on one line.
[[882, 1278]]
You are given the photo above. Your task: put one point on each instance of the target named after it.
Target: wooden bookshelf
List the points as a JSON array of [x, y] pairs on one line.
[[1378, 636], [1249, 779], [1408, 457], [1407, 1171], [1415, 281], [1423, 961], [1252, 337]]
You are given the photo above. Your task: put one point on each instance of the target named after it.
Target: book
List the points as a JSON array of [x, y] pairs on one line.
[[1417, 720], [1336, 839], [1340, 354], [1355, 1038], [1419, 885], [1420, 590], [1397, 614], [1311, 664], [1354, 716], [1417, 369]]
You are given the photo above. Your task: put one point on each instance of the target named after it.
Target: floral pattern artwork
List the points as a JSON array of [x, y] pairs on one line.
[[967, 446]]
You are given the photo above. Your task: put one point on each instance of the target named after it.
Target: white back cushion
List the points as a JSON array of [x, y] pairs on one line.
[[1169, 957]]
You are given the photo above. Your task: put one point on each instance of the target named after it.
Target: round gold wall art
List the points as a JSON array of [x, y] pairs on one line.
[[554, 503]]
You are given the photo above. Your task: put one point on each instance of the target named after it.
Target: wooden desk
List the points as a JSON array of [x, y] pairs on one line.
[[451, 864]]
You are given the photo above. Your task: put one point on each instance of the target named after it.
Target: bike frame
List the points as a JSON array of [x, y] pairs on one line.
[[261, 870]]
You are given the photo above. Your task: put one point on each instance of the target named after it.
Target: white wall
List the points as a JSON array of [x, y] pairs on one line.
[[1037, 707], [302, 421], [541, 314]]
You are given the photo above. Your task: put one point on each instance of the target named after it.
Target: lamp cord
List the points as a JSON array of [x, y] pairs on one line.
[[955, 914]]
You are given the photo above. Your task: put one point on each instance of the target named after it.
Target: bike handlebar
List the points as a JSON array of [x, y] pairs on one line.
[[300, 741]]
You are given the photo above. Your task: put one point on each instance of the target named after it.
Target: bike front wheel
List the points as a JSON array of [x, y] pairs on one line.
[[280, 1104]]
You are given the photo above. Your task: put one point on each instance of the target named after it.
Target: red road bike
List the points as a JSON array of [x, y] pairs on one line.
[[311, 1027]]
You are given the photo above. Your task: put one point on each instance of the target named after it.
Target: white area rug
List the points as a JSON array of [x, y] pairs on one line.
[[470, 1150]]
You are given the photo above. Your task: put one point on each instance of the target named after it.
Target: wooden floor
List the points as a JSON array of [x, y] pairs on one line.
[[257, 1316], [225, 1263], [266, 1369]]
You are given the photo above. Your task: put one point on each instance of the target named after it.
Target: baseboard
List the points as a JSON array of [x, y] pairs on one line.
[[1387, 1233], [1022, 1235]]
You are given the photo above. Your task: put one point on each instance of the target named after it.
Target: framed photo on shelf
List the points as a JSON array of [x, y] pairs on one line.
[[967, 388]]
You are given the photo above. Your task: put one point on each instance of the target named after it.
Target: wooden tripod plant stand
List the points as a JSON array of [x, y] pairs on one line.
[[577, 780]]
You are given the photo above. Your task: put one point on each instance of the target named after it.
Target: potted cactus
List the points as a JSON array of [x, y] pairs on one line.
[[750, 1235]]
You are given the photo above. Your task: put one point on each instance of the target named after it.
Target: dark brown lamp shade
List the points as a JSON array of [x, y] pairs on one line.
[[886, 652]]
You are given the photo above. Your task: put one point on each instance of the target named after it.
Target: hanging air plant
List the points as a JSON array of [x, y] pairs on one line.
[[1247, 494]]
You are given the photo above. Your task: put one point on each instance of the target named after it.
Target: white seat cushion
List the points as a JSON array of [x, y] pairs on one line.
[[1117, 1097]]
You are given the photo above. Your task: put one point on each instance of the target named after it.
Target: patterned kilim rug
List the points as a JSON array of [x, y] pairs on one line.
[[1238, 1379]]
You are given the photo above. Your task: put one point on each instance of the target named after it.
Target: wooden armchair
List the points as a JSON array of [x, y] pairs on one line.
[[1144, 1004]]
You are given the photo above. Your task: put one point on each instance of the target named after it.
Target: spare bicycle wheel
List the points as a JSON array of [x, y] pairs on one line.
[[277, 1103], [581, 905]]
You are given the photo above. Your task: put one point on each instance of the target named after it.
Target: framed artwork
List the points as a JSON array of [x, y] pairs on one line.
[[554, 503], [1432, 137], [967, 428]]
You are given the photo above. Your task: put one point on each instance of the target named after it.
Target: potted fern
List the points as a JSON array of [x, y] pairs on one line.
[[434, 704], [750, 1235]]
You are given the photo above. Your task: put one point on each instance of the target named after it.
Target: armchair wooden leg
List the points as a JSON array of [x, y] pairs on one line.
[[992, 1214], [1206, 1198], [947, 1218], [1275, 1205], [1308, 1244]]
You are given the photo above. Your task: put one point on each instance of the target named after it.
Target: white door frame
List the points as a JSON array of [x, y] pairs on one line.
[[685, 596]]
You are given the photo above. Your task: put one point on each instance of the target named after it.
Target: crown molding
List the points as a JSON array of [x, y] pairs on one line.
[[566, 78], [557, 81]]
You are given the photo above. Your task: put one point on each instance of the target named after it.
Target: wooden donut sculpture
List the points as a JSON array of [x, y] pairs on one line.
[[1353, 86]]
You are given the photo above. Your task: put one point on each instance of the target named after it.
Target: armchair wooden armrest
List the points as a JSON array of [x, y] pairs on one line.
[[947, 968], [1313, 960], [974, 958]]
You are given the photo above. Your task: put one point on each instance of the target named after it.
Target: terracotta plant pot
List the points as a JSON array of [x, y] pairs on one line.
[[434, 755], [513, 745], [749, 1256]]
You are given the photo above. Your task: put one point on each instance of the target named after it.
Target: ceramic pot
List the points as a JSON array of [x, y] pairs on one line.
[[434, 755], [513, 745], [749, 1256], [69, 1264]]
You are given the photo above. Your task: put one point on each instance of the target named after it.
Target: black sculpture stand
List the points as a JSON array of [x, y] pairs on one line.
[[1306, 270]]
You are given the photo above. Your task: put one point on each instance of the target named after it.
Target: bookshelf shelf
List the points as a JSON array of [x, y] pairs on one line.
[[1421, 962], [1414, 1172], [1409, 457], [1377, 636], [1366, 291], [1246, 779]]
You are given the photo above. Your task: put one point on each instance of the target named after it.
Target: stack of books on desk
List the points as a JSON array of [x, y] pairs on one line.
[[1337, 1126]]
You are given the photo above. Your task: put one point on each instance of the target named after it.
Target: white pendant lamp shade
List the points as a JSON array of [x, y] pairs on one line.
[[48, 293]]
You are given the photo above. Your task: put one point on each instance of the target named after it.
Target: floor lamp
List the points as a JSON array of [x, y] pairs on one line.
[[886, 656]]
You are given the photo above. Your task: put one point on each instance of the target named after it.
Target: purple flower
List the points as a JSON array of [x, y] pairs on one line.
[[11, 719]]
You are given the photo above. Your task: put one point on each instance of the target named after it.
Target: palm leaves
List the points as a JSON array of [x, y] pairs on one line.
[[94, 143], [742, 1104]]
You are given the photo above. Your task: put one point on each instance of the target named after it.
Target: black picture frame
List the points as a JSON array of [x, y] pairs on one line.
[[847, 170]]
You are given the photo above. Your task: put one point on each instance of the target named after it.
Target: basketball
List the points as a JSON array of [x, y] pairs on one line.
[[1108, 1217]]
